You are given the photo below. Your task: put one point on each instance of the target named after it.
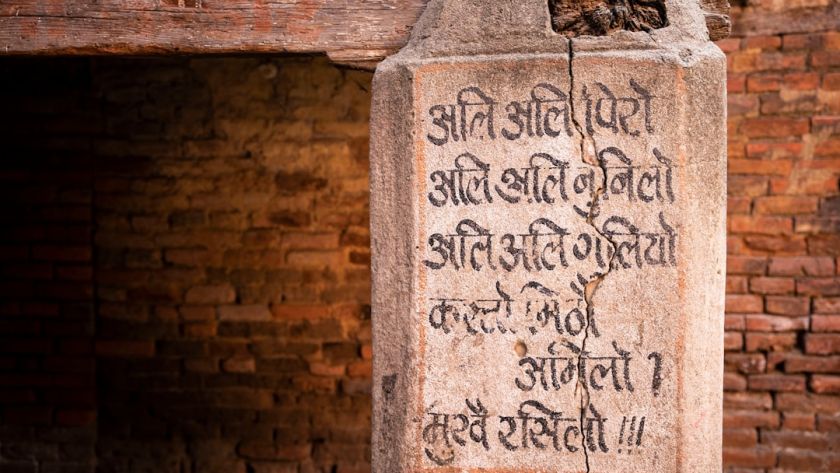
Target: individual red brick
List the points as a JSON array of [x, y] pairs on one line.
[[831, 40], [776, 286], [745, 400], [319, 368], [769, 323], [776, 382], [788, 102], [299, 311], [197, 313], [760, 225], [760, 167], [189, 257], [736, 284], [827, 305], [788, 305], [776, 243], [764, 82], [802, 81], [739, 419], [822, 344], [211, 294], [826, 124], [828, 423], [742, 104], [801, 266], [752, 265], [801, 460], [808, 402], [824, 384], [825, 323], [360, 369], [825, 58], [806, 181], [734, 382], [795, 439], [774, 150], [250, 313], [746, 363], [762, 42], [738, 205], [760, 457], [780, 61], [774, 127], [786, 205], [734, 322], [816, 225], [743, 303], [200, 329], [742, 61], [770, 341], [831, 81], [819, 286], [740, 438], [828, 148], [795, 363], [747, 185], [798, 421]]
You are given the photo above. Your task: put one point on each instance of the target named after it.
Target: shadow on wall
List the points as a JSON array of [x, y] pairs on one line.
[[214, 215]]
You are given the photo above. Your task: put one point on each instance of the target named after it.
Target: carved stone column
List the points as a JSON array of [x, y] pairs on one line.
[[548, 221]]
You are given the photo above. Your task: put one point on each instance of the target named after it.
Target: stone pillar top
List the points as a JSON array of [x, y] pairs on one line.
[[471, 27]]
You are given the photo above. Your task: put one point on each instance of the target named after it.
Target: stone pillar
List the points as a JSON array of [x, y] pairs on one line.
[[548, 232]]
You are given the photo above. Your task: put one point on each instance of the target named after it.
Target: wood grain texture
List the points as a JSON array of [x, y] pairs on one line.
[[354, 32], [346, 28]]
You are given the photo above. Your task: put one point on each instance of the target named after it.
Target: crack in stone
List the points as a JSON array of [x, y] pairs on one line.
[[592, 285]]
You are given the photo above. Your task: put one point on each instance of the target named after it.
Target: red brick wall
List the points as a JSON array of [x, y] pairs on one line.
[[47, 385], [184, 266], [218, 210], [232, 266], [782, 380]]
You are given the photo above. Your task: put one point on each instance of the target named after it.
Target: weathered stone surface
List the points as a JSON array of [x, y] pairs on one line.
[[548, 245]]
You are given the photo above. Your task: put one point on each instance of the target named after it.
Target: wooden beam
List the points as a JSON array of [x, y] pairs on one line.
[[355, 32], [363, 30]]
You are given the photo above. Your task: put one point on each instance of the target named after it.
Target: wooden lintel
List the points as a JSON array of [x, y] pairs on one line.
[[354, 32], [368, 29]]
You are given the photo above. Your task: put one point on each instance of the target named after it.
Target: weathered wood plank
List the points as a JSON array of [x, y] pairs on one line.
[[374, 28], [357, 32]]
